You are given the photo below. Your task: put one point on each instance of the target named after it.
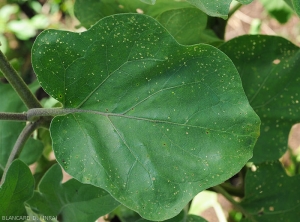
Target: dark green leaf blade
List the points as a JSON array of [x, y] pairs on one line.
[[294, 4], [271, 195], [16, 189], [215, 8], [278, 9], [73, 200], [155, 122], [88, 12], [187, 26], [269, 68]]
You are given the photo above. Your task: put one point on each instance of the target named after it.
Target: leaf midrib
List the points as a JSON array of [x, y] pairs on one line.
[[106, 114]]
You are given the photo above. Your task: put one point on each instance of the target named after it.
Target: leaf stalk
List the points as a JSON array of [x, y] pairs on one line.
[[13, 116], [222, 191], [23, 137], [18, 84]]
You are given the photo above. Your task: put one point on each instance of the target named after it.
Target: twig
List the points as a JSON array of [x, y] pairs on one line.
[[234, 8], [18, 84], [24, 135], [13, 116], [235, 191], [220, 190]]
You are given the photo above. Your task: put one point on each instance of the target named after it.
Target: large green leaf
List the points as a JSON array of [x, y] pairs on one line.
[[215, 8], [187, 26], [152, 122], [88, 12], [269, 68], [72, 200], [271, 195], [10, 130], [16, 189]]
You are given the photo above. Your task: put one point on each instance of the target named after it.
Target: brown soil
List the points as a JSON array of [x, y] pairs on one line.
[[240, 22]]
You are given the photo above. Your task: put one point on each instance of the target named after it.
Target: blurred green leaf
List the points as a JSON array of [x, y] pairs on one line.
[[72, 200], [22, 28], [34, 217], [88, 12], [183, 123], [124, 214], [294, 4], [269, 69], [17, 1], [40, 21], [5, 12], [181, 217], [187, 26], [278, 9], [16, 189], [271, 195], [255, 27]]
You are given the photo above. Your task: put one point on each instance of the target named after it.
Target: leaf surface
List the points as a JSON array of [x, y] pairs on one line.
[[271, 195], [269, 69], [294, 4], [88, 12], [72, 200], [152, 122], [16, 189], [187, 26]]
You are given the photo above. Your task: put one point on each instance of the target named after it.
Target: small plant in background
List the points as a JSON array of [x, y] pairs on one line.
[[145, 109]]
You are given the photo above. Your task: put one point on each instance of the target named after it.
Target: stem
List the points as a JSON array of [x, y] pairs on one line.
[[235, 191], [220, 190], [24, 135], [35, 113], [38, 112], [234, 8], [13, 116], [18, 84]]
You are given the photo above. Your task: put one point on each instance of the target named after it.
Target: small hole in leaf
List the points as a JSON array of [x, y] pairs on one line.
[[276, 61]]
